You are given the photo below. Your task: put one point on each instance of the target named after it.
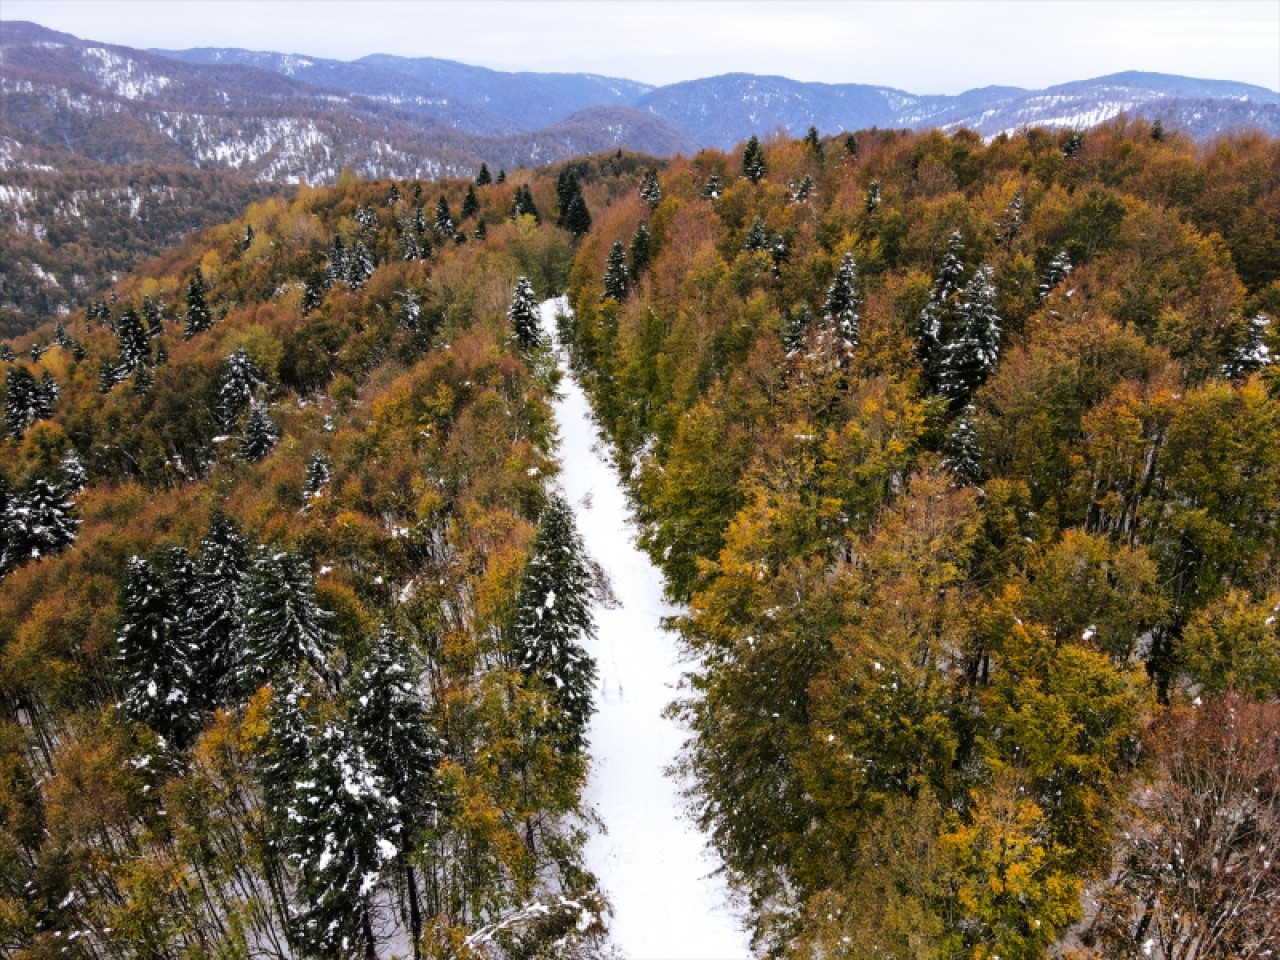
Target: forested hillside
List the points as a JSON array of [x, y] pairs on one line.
[[966, 458], [283, 671]]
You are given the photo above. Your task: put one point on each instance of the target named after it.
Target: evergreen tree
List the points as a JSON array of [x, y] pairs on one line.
[[21, 400], [1073, 144], [757, 237], [247, 240], [409, 249], [1010, 224], [336, 267], [873, 197], [217, 604], [974, 344], [813, 143], [502, 176], [152, 655], [930, 331], [410, 312], [9, 546], [42, 522], [1157, 130], [522, 204], [143, 381], [366, 216], [387, 721], [639, 252], [199, 318], [615, 275], [712, 189], [237, 382], [851, 146], [754, 167], [360, 266], [470, 204], [795, 328], [6, 353], [443, 222], [481, 231], [1253, 353], [523, 315], [483, 179], [553, 613], [283, 626], [153, 314], [841, 305], [74, 478], [393, 196], [1057, 271], [313, 292], [134, 342], [963, 454], [319, 472], [260, 434], [577, 219], [650, 189], [801, 192]]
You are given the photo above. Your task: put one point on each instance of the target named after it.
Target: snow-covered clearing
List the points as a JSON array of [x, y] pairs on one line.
[[653, 863]]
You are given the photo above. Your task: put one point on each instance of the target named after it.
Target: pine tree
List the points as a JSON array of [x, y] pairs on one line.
[[757, 237], [247, 240], [470, 204], [134, 341], [1010, 224], [1157, 130], [522, 204], [1073, 144], [639, 252], [237, 382], [502, 176], [973, 346], [851, 146], [74, 478], [217, 606], [336, 267], [801, 192], [615, 275], [712, 189], [813, 142], [409, 249], [199, 318], [6, 353], [754, 167], [21, 400], [962, 450], [795, 328], [483, 179], [360, 266], [366, 216], [387, 721], [523, 315], [841, 305], [650, 189], [577, 219], [260, 434], [153, 314], [319, 472], [9, 546], [393, 196], [313, 292], [443, 222], [410, 312], [42, 522], [1253, 353], [143, 381], [933, 318], [873, 196], [481, 231], [1057, 271], [152, 655], [553, 613], [283, 625]]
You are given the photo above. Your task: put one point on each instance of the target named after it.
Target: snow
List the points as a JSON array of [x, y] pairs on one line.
[[654, 865]]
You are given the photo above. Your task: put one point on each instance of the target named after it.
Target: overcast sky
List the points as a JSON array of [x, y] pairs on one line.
[[922, 47]]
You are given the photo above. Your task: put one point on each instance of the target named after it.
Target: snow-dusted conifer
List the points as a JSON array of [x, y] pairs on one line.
[[443, 222], [360, 266], [757, 237], [42, 521], [217, 605], [1057, 270], [840, 309], [152, 664], [313, 293], [962, 450], [754, 167], [973, 346], [134, 341], [198, 316], [74, 477], [1253, 353], [260, 434], [21, 400], [553, 613], [523, 315], [795, 328], [470, 203], [283, 624], [650, 189], [615, 275], [640, 242], [319, 472], [930, 329], [237, 381], [872, 202], [1010, 224], [712, 189]]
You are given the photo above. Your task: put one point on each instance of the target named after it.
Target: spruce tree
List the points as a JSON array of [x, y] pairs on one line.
[[134, 341], [483, 178], [872, 203], [337, 266], [502, 176], [319, 472], [1057, 271], [930, 330], [795, 327], [1010, 224], [217, 605], [1252, 354], [522, 204], [552, 615], [963, 455], [152, 654], [21, 400], [813, 142], [260, 434], [470, 204], [42, 521], [615, 275], [757, 237], [650, 189], [712, 189], [577, 219], [523, 315], [443, 222], [283, 626], [754, 167], [639, 252], [841, 305], [393, 196], [237, 382], [74, 478], [360, 266], [6, 353], [9, 546], [313, 292], [973, 346], [199, 318]]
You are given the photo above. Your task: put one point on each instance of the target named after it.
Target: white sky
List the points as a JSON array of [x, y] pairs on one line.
[[922, 47]]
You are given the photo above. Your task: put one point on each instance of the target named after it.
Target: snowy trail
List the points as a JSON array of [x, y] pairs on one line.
[[653, 863]]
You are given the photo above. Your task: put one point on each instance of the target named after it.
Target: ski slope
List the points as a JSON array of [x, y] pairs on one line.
[[652, 861]]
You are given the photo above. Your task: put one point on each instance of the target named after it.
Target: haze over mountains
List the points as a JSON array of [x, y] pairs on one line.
[[109, 153]]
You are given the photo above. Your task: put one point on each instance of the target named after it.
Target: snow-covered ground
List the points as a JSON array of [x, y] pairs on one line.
[[653, 863]]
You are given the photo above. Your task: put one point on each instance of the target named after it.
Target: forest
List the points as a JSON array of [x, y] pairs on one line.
[[963, 457]]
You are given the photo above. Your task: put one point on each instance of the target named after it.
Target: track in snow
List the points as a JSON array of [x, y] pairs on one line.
[[652, 861]]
